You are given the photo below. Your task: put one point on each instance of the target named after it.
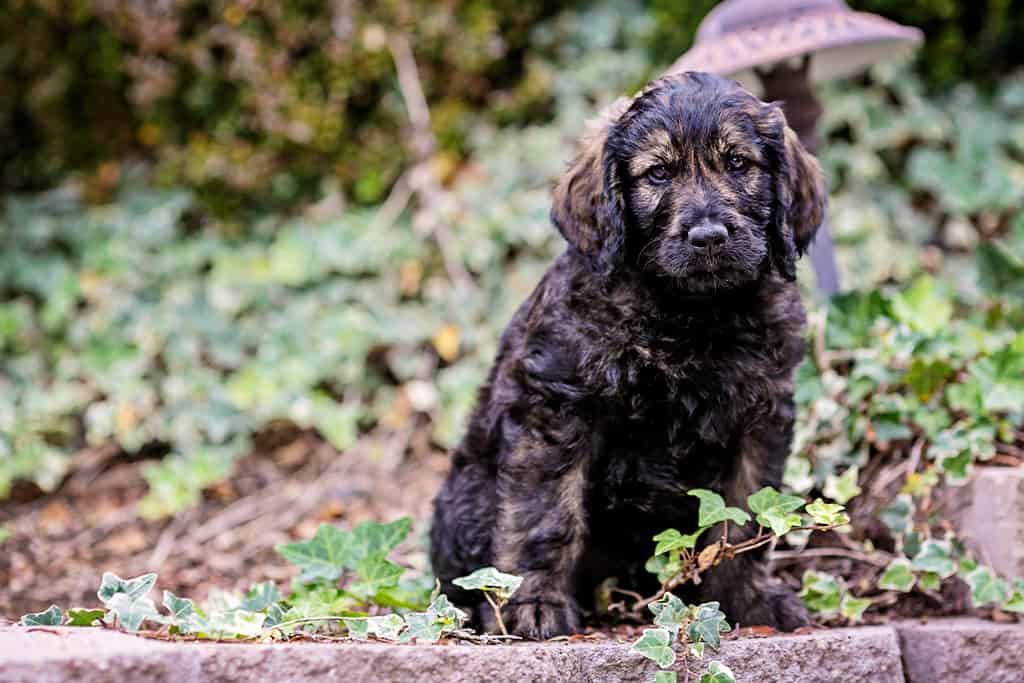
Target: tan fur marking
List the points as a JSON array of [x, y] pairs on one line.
[[656, 149]]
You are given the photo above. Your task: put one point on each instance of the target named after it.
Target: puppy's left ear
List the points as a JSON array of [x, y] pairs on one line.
[[588, 207], [800, 197]]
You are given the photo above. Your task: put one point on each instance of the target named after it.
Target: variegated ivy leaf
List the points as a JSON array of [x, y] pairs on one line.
[[707, 625], [821, 592], [490, 580], [235, 623], [843, 488], [385, 628], [112, 584], [852, 609], [49, 617], [656, 644], [898, 576], [986, 587], [183, 612], [898, 514], [127, 600], [666, 677], [129, 612], [718, 673], [440, 618], [827, 514], [935, 556], [670, 613], [713, 509], [671, 539]]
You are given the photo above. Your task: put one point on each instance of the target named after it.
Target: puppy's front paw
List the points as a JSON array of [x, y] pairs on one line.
[[542, 618], [772, 604]]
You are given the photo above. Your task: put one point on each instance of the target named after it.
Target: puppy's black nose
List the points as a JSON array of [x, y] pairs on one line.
[[708, 236]]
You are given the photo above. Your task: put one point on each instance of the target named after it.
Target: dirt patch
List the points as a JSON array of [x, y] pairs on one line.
[[60, 544]]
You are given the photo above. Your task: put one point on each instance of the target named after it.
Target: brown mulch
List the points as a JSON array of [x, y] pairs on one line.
[[61, 543]]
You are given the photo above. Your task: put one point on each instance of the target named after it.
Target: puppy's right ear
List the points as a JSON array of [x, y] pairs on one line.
[[588, 207]]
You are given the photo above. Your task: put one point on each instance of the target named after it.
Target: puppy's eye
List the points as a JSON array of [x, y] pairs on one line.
[[737, 162], [657, 174]]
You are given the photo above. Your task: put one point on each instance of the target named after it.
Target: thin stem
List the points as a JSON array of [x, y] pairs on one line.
[[306, 620], [496, 606]]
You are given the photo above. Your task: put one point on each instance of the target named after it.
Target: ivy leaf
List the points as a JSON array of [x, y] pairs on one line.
[[324, 556], [1015, 603], [664, 566], [111, 584], [843, 488], [82, 616], [127, 601], [986, 587], [827, 514], [897, 576], [852, 609], [923, 307], [898, 514], [384, 628], [375, 573], [669, 613], [372, 539], [821, 592], [718, 673], [655, 644], [49, 617], [713, 509], [708, 622], [775, 510], [130, 612], [490, 580], [423, 626], [929, 581], [261, 596], [670, 539], [275, 616], [935, 556], [427, 627], [236, 623], [666, 677], [182, 610]]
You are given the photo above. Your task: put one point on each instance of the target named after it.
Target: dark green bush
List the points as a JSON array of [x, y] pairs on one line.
[[245, 102]]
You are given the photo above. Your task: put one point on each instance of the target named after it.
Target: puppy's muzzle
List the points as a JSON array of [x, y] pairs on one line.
[[708, 238]]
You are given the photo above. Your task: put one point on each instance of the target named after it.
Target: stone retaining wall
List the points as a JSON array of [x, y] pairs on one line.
[[943, 650]]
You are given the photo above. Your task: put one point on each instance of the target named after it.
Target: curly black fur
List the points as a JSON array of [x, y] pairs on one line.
[[646, 363]]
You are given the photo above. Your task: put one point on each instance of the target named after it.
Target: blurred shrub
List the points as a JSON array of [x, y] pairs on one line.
[[127, 323], [908, 170], [245, 102]]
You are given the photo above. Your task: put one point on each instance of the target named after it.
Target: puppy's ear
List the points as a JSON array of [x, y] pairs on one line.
[[588, 206], [800, 196]]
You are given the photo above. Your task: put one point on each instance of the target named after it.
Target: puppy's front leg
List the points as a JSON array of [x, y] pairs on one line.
[[749, 595], [541, 532]]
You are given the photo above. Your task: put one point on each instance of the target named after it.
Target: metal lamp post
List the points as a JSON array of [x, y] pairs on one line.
[[780, 49]]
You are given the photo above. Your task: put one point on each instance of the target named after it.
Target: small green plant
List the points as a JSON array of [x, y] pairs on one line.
[[497, 587], [676, 561]]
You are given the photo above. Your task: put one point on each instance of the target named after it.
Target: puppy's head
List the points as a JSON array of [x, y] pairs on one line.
[[696, 181]]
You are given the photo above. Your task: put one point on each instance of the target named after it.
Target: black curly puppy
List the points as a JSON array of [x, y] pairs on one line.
[[655, 356]]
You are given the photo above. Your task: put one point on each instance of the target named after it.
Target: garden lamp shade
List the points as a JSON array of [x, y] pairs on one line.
[[739, 36]]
